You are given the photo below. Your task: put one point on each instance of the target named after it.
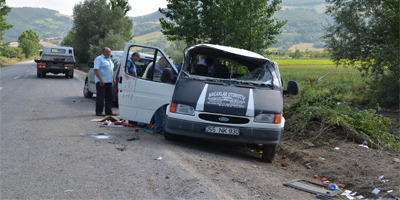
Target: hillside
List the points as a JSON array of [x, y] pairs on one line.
[[45, 22], [304, 26]]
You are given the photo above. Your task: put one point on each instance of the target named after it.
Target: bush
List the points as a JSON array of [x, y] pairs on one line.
[[328, 114]]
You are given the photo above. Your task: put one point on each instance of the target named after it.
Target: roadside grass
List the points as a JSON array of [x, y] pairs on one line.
[[328, 108], [9, 61]]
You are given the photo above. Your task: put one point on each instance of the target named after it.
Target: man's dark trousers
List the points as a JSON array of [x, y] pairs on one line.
[[104, 94]]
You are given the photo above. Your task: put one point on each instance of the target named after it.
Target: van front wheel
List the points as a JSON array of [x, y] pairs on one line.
[[269, 152]]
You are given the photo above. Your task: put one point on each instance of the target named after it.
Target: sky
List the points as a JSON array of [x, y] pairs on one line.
[[139, 7]]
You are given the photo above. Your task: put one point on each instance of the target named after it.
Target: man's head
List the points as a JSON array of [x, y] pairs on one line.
[[135, 56], [106, 52], [209, 61], [163, 62]]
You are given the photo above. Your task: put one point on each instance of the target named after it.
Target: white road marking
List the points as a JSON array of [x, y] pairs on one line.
[[17, 76], [28, 70]]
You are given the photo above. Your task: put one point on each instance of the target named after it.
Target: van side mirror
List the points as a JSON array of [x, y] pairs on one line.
[[90, 64], [292, 88], [168, 76]]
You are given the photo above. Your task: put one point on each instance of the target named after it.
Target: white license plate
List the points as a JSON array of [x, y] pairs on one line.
[[222, 130]]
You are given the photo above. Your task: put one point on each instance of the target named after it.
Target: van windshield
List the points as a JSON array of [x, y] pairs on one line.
[[231, 69]]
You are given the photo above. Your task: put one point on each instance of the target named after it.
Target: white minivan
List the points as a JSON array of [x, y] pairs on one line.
[[237, 97]]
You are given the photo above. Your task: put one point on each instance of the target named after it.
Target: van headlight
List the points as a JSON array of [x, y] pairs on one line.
[[268, 118], [181, 109]]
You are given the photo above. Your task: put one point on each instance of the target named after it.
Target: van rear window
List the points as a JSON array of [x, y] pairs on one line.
[[58, 51]]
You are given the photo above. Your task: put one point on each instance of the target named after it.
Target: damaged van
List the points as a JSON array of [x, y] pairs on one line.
[[221, 93]]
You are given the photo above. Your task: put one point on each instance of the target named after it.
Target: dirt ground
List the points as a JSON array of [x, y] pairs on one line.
[[342, 162]]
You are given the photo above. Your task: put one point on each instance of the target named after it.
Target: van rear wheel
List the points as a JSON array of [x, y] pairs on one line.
[[269, 151]]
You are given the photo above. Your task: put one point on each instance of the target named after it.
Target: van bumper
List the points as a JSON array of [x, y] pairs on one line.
[[247, 134]]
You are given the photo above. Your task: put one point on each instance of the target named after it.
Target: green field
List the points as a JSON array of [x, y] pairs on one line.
[[303, 70]]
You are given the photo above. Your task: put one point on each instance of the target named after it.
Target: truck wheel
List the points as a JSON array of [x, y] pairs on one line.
[[86, 92], [38, 74], [269, 152], [72, 74], [66, 75], [43, 74]]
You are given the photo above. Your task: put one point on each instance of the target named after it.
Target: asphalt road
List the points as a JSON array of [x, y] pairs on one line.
[[48, 150]]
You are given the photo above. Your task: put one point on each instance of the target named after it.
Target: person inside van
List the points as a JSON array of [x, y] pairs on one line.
[[158, 68], [130, 65]]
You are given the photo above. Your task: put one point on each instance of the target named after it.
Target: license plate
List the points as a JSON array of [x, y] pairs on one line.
[[222, 130]]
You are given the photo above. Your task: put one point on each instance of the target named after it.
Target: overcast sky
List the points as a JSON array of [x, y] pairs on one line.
[[139, 7]]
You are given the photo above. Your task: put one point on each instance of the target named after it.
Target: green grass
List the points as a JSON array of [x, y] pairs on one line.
[[303, 62], [346, 76]]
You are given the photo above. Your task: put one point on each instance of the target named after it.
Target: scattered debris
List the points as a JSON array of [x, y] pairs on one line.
[[121, 149], [159, 158], [396, 160], [390, 191], [283, 164], [324, 179], [333, 187], [283, 157], [381, 177], [376, 191], [321, 158], [134, 138], [316, 176], [223, 161], [99, 136], [336, 148], [168, 176], [148, 130], [311, 187]]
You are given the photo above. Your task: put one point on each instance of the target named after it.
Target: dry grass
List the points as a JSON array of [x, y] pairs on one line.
[[304, 47]]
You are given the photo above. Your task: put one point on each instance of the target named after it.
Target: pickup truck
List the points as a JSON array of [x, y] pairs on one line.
[[56, 59], [238, 99]]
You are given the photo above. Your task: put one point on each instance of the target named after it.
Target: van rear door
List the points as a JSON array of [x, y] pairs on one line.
[[139, 98]]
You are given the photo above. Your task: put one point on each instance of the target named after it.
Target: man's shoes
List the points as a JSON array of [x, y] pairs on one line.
[[112, 114], [100, 114]]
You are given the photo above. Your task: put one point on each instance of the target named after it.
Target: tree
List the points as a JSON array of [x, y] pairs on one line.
[[123, 4], [28, 41], [246, 24], [113, 41], [365, 35], [4, 10], [93, 20]]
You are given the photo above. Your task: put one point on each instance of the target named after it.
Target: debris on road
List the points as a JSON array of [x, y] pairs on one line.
[[159, 158]]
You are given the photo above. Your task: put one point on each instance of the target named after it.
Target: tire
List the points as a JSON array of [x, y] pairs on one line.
[[43, 74], [66, 75], [86, 92], [269, 152], [38, 74], [72, 75]]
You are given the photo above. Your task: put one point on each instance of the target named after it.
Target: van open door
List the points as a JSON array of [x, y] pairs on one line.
[[139, 97]]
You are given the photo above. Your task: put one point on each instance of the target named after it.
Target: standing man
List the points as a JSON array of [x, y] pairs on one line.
[[103, 69], [131, 65]]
